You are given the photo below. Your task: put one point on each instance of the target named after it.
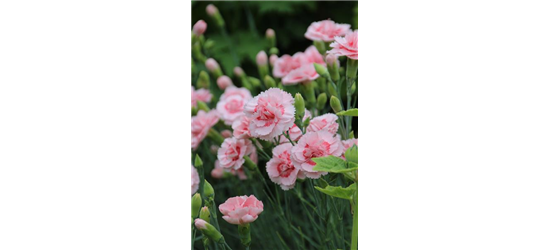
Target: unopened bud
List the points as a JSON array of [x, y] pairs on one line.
[[199, 27], [223, 82], [351, 154], [238, 71], [261, 58], [271, 38], [272, 60], [335, 104], [209, 44], [273, 51], [269, 82], [208, 190], [208, 230], [211, 10], [200, 105], [203, 80], [212, 65], [205, 214], [299, 105], [196, 203], [321, 70], [321, 101], [333, 66]]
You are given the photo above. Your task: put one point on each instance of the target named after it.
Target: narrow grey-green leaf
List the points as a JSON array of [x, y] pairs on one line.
[[350, 112]]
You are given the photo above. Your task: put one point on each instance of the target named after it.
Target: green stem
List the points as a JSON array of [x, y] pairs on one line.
[[194, 236], [354, 242]]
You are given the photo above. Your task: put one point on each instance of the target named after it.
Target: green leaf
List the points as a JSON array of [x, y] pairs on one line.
[[350, 112], [339, 192], [331, 164]]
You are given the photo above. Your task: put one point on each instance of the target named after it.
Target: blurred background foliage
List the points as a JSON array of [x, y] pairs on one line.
[[247, 21]]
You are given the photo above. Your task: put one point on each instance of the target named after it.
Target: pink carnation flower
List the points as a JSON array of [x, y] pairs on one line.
[[226, 133], [295, 134], [241, 128], [232, 90], [326, 30], [241, 209], [327, 122], [195, 180], [280, 168], [347, 46], [305, 73], [312, 145], [311, 55], [202, 95], [232, 151], [349, 143], [201, 125], [231, 108], [270, 113], [286, 64]]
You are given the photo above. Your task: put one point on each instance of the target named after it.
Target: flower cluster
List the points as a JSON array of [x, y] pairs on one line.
[[264, 127]]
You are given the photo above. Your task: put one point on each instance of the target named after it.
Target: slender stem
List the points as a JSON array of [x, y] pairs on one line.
[[260, 149], [354, 242], [194, 236], [287, 135]]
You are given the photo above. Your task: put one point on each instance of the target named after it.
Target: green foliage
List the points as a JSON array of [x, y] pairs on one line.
[[339, 192], [247, 45], [283, 7], [331, 164], [350, 112], [351, 154]]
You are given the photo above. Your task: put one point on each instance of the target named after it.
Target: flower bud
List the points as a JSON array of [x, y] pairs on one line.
[[309, 92], [353, 88], [269, 82], [208, 190], [223, 82], [226, 133], [261, 58], [238, 71], [196, 203], [203, 80], [209, 44], [197, 161], [333, 66], [271, 37], [335, 104], [273, 51], [262, 63], [205, 214], [352, 154], [299, 104], [321, 101], [208, 230], [254, 81], [213, 67], [321, 70], [199, 27], [200, 105], [214, 13], [272, 60], [211, 10]]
